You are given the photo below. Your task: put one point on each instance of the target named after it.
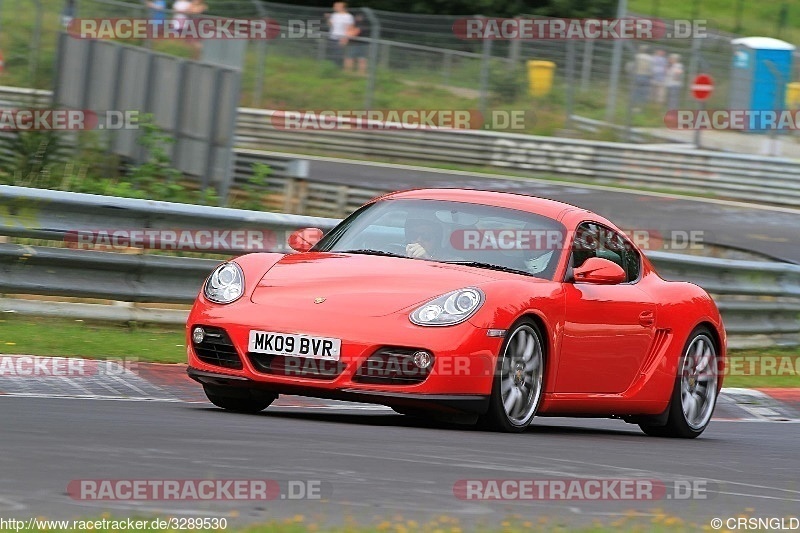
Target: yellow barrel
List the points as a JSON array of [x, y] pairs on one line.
[[793, 95], [540, 77]]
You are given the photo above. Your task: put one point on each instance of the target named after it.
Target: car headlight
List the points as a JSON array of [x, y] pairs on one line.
[[448, 309], [225, 284]]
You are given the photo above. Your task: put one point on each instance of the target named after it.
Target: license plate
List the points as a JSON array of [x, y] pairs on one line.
[[272, 342]]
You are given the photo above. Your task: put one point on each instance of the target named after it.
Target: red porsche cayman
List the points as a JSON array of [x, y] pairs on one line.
[[484, 306]]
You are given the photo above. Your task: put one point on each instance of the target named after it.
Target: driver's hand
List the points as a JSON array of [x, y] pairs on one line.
[[416, 250]]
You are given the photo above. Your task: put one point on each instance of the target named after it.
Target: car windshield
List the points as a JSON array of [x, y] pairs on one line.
[[482, 236]]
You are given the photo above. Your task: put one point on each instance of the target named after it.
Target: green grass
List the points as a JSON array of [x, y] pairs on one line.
[[78, 338], [295, 79], [165, 344], [770, 367]]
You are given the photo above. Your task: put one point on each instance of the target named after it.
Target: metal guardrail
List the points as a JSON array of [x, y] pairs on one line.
[[752, 178], [760, 301], [46, 214], [290, 191]]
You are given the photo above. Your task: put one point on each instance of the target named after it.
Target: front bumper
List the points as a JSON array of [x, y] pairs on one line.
[[471, 403], [460, 379]]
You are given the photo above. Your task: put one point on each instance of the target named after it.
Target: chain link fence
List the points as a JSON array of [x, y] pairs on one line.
[[417, 61]]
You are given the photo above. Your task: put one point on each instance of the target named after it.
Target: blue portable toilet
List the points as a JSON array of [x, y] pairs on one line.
[[762, 66]]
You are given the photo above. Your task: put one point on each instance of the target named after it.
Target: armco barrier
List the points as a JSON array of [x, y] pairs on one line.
[[752, 178], [760, 301]]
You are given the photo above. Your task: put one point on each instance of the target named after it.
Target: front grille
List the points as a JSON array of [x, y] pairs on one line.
[[392, 366], [301, 367], [217, 349]]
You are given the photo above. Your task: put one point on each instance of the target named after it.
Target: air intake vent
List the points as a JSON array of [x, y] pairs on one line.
[[217, 349], [392, 366]]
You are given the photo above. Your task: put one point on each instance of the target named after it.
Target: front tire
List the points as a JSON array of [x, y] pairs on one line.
[[238, 400], [694, 395], [519, 380]]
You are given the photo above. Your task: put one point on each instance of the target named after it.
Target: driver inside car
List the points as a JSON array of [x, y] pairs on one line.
[[424, 238]]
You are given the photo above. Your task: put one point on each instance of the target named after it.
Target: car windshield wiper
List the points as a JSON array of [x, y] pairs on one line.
[[367, 251], [490, 266]]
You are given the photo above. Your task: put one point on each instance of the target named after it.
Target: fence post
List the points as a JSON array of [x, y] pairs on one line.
[[260, 58], [288, 194], [302, 196], [385, 51], [341, 201], [514, 47], [570, 83], [616, 64], [586, 66], [36, 40], [374, 38], [448, 64], [322, 49], [486, 57]]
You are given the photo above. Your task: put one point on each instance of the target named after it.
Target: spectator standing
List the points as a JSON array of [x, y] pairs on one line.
[[358, 45], [659, 77], [197, 8], [642, 76], [180, 13], [674, 81], [157, 14], [339, 24]]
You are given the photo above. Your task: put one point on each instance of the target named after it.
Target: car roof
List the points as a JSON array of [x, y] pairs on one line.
[[560, 211]]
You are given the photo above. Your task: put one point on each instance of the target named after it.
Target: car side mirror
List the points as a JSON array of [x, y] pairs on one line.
[[304, 239], [599, 271]]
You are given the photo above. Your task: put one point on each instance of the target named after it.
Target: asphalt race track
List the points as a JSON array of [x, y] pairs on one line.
[[373, 463], [771, 231]]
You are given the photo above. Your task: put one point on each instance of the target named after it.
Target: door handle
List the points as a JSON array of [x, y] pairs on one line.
[[647, 318]]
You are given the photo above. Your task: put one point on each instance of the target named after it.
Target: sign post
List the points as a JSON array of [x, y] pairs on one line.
[[702, 87]]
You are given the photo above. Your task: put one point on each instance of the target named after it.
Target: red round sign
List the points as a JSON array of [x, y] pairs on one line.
[[702, 86]]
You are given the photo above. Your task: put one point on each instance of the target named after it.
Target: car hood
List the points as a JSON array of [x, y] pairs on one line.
[[359, 285]]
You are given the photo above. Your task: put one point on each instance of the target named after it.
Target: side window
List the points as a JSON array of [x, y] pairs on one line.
[[593, 240]]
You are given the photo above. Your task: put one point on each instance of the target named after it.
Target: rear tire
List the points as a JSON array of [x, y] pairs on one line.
[[519, 380], [239, 400], [694, 395]]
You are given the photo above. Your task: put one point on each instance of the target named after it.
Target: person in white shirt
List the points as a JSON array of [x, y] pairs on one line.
[[659, 77], [674, 81], [181, 10], [642, 77], [340, 23]]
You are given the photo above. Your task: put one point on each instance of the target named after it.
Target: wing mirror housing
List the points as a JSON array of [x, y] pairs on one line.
[[304, 239], [599, 271]]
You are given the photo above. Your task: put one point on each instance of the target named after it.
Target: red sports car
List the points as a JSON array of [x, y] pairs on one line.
[[482, 306]]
